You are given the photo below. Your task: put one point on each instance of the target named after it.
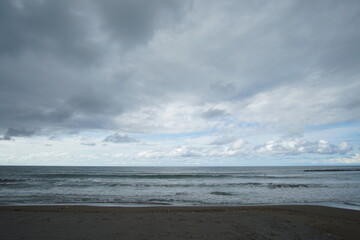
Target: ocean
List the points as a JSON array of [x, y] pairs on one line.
[[179, 186]]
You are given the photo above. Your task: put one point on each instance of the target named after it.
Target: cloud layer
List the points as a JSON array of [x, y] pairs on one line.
[[81, 64], [229, 70]]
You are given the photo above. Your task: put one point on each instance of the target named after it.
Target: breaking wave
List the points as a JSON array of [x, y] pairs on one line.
[[222, 193]]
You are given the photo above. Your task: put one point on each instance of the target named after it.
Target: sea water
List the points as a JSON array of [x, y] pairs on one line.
[[179, 186]]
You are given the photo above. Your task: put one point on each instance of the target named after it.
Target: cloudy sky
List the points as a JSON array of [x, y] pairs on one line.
[[175, 82]]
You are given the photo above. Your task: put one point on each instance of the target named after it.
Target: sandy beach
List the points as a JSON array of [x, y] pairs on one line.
[[260, 222]]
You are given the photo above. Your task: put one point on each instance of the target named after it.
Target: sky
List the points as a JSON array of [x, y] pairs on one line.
[[179, 83]]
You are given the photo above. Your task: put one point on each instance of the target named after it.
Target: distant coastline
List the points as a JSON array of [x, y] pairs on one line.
[[333, 170]]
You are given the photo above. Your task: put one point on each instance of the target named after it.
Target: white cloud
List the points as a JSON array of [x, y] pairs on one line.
[[345, 160], [173, 117], [235, 148], [300, 146], [178, 151], [298, 105]]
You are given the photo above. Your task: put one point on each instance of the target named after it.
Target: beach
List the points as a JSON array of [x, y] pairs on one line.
[[179, 203], [252, 222]]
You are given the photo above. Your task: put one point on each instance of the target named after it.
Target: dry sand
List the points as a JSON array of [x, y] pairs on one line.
[[261, 222]]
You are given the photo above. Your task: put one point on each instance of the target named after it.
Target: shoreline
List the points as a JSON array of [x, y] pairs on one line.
[[179, 222], [339, 205]]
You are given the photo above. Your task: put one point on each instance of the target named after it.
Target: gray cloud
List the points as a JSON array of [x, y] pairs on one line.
[[118, 138], [51, 63], [12, 132], [89, 144], [49, 27], [135, 22], [214, 113], [77, 65], [223, 140]]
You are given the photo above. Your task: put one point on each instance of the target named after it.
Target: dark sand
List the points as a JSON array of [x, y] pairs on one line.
[[261, 222]]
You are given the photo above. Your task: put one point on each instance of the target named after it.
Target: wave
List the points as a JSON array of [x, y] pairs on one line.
[[284, 185], [140, 176], [246, 184], [88, 183], [11, 180], [160, 200], [170, 185], [161, 176], [222, 193], [352, 204], [165, 201]]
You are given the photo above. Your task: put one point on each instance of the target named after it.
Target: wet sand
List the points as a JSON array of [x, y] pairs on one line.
[[260, 222]]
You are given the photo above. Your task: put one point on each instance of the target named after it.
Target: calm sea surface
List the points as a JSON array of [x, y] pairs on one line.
[[178, 186]]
